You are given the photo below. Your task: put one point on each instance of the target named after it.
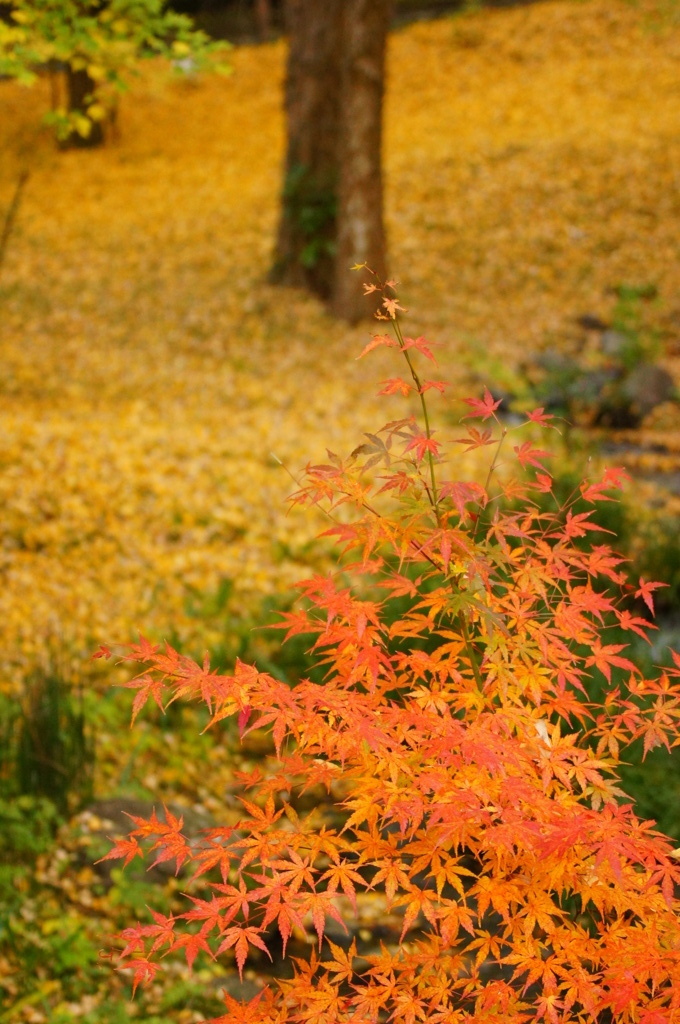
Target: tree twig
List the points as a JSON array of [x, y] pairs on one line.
[[11, 215]]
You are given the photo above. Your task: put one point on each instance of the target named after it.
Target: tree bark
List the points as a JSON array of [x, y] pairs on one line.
[[263, 19], [331, 204], [360, 230], [305, 247]]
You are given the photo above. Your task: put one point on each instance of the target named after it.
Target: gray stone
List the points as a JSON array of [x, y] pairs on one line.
[[114, 822], [552, 361], [243, 990], [592, 385], [614, 344], [647, 386]]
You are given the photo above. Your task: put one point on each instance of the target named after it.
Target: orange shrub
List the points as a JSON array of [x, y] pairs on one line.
[[476, 771]]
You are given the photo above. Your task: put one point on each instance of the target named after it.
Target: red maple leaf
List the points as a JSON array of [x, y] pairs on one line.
[[645, 591], [612, 479], [482, 407], [420, 345], [528, 456], [396, 385], [192, 944], [423, 445], [144, 971], [437, 385], [605, 656], [376, 341], [128, 848], [240, 938], [540, 417]]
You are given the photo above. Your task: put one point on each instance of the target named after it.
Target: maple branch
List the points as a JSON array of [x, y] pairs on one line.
[[492, 468], [472, 654], [434, 497]]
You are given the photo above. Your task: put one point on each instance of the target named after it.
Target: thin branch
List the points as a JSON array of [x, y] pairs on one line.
[[11, 215]]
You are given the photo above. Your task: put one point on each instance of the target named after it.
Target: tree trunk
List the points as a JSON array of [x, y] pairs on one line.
[[305, 248], [360, 231], [80, 88], [263, 19], [331, 205]]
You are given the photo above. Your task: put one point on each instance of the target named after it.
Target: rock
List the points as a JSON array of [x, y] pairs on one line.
[[664, 418], [647, 386], [109, 819], [116, 810], [593, 386], [629, 400], [243, 989], [556, 375], [614, 344], [552, 362], [607, 394], [591, 322], [334, 931], [114, 813]]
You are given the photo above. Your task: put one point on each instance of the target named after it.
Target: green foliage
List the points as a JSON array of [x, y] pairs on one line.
[[27, 826], [657, 555], [47, 743], [312, 207], [595, 383], [565, 495], [643, 345], [104, 39], [655, 788], [647, 540], [249, 634], [45, 768], [51, 905], [131, 893], [34, 929]]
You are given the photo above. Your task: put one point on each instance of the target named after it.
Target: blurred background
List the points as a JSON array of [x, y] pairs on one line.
[[178, 333]]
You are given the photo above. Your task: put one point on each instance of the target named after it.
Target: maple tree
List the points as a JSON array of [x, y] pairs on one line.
[[476, 771]]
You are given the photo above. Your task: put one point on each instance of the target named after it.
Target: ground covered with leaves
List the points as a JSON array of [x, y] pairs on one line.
[[531, 164], [153, 382]]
